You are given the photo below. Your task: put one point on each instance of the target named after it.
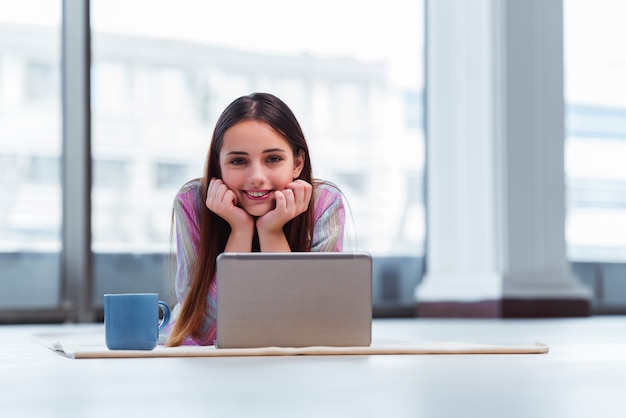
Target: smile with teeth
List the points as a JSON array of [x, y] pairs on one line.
[[257, 194]]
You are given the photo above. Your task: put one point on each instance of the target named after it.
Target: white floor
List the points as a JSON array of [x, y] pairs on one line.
[[583, 375]]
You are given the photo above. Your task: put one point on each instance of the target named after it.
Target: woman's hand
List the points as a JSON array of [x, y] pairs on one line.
[[290, 202], [223, 201]]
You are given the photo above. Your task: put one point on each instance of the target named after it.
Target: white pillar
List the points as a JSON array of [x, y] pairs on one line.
[[495, 128]]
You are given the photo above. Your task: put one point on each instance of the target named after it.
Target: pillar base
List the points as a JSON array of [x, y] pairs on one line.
[[545, 308], [453, 309], [506, 308]]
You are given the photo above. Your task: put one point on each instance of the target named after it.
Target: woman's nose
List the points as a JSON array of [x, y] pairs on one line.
[[257, 174]]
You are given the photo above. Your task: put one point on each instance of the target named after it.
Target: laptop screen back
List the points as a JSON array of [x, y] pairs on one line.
[[294, 299]]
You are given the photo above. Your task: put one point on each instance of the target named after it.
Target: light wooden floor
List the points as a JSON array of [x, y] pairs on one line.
[[584, 375]]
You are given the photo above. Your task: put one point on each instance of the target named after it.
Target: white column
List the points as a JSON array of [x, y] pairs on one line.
[[495, 128]]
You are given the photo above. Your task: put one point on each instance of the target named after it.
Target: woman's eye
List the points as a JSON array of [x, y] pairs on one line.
[[238, 161], [274, 159]]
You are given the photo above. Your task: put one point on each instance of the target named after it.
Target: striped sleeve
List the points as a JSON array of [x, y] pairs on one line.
[[187, 209], [329, 215], [187, 227]]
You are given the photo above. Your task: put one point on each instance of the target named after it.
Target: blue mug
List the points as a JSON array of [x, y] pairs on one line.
[[131, 320]]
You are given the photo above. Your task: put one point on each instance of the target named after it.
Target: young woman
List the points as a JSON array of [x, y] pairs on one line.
[[257, 194]]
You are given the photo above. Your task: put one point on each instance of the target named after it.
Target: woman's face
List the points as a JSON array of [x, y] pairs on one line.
[[255, 161]]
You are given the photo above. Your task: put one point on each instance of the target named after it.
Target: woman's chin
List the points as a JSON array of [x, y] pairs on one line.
[[257, 211]]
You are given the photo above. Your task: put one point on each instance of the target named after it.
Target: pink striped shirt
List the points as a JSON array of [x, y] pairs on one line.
[[329, 217]]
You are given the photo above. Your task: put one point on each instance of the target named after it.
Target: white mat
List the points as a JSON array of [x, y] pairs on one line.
[[83, 346]]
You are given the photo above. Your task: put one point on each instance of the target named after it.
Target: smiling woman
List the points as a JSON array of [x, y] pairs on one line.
[[257, 194]]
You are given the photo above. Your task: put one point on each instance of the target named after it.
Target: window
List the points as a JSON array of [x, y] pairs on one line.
[[350, 109], [171, 175], [414, 113], [356, 92], [44, 170], [595, 90], [110, 173], [111, 92], [41, 81], [157, 90], [595, 148], [30, 195]]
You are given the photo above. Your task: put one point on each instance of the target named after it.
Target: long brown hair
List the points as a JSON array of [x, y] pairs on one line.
[[214, 231]]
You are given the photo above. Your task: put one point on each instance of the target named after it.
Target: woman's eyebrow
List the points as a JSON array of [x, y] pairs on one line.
[[273, 150], [269, 150]]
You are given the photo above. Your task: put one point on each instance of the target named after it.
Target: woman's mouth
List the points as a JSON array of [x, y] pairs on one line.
[[257, 194]]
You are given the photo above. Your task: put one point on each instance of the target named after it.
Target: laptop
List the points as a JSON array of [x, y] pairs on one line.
[[294, 299]]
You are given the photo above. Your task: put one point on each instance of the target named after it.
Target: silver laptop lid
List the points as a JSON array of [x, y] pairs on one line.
[[294, 299]]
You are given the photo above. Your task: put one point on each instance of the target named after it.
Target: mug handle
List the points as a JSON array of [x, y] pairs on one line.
[[166, 315]]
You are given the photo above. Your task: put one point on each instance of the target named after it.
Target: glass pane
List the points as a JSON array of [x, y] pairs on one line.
[[595, 90], [162, 78], [30, 150]]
